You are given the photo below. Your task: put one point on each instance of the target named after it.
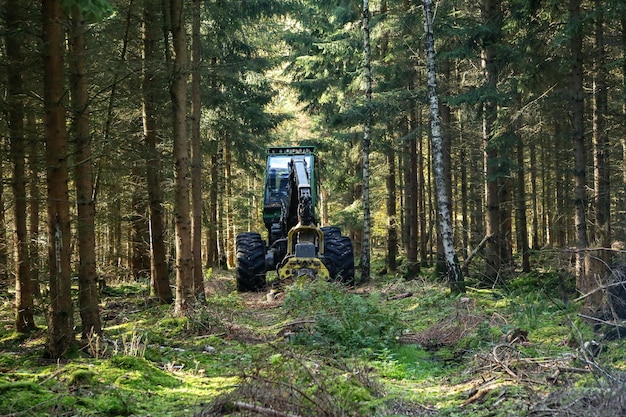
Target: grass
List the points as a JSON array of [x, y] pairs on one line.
[[317, 347]]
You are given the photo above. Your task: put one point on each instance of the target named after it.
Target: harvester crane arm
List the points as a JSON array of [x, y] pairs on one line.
[[300, 175]]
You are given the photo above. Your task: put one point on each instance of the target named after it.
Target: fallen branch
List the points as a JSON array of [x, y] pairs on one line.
[[481, 245], [501, 363], [584, 316], [600, 288], [266, 411], [298, 322], [400, 296]]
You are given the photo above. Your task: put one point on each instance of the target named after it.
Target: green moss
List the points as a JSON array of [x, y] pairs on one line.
[[81, 377], [7, 387], [140, 374]]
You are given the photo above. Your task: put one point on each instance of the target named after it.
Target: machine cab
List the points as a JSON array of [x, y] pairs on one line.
[[277, 196]]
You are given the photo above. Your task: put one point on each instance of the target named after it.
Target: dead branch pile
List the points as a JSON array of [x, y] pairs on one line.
[[607, 399], [295, 387], [448, 331], [508, 359]]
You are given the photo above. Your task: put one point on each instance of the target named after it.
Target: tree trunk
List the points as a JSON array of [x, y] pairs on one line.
[[140, 265], [212, 246], [521, 224], [158, 258], [229, 244], [178, 90], [24, 304], [34, 167], [355, 170], [392, 221], [601, 156], [506, 206], [584, 283], [410, 205], [490, 10], [60, 337], [623, 133], [455, 276], [196, 153], [534, 190], [420, 213], [365, 248], [222, 208], [558, 226], [446, 153], [465, 216], [4, 247], [88, 295]]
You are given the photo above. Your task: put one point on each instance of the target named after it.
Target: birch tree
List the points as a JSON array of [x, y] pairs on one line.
[[455, 276]]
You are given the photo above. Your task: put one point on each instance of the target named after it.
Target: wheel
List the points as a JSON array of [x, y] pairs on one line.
[[339, 259], [331, 232], [251, 269]]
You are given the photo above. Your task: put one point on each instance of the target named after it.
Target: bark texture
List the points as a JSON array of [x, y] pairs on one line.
[[24, 305], [196, 153], [88, 295], [60, 337], [365, 245], [455, 276], [489, 10], [182, 219], [158, 260], [583, 284]]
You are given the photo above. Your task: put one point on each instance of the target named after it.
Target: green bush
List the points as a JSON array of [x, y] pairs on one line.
[[341, 322]]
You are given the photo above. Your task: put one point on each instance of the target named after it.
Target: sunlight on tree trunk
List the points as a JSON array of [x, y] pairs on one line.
[[196, 153], [182, 221], [227, 200], [455, 276]]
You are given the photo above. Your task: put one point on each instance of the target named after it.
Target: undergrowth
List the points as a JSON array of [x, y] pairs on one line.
[[339, 321], [391, 348]]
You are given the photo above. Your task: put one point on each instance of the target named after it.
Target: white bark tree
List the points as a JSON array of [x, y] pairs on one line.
[[455, 276]]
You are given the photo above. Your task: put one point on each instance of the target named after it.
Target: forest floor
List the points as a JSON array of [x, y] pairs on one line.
[[389, 348]]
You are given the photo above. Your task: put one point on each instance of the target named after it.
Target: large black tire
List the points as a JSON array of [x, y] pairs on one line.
[[339, 259], [331, 232], [251, 271]]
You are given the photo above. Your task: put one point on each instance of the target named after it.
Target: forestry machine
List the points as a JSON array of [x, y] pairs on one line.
[[295, 246]]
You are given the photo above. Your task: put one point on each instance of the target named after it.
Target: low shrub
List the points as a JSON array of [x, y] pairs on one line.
[[340, 321]]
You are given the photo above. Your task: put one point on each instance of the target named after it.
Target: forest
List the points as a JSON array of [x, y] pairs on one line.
[[473, 152]]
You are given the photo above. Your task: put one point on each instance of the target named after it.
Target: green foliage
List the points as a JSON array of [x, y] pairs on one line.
[[92, 10], [407, 362], [344, 323]]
